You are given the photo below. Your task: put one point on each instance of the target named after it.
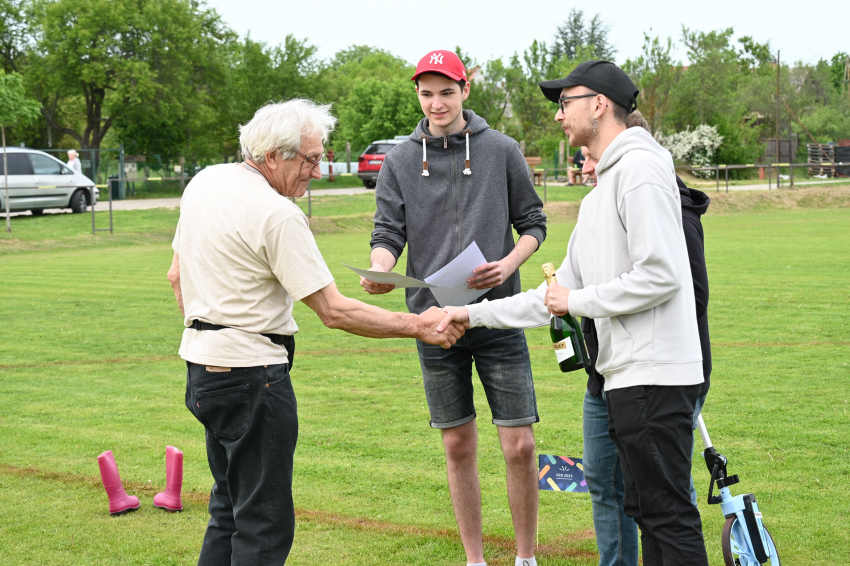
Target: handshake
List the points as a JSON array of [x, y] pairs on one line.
[[443, 327]]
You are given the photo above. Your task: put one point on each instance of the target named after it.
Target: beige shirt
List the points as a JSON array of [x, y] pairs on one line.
[[246, 255]]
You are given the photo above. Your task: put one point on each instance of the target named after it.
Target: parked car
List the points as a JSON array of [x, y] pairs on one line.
[[369, 164], [38, 181]]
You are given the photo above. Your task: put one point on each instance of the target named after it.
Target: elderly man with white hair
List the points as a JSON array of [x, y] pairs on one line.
[[243, 254], [74, 161]]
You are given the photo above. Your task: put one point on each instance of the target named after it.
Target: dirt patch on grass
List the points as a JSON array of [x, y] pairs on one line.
[[825, 196], [342, 224], [504, 548], [561, 211], [828, 196]]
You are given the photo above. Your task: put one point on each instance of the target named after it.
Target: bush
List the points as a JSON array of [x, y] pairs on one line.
[[694, 147]]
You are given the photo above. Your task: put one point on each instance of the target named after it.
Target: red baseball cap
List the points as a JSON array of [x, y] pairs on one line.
[[443, 62]]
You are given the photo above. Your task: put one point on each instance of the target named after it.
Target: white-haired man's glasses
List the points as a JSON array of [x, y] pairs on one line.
[[313, 162]]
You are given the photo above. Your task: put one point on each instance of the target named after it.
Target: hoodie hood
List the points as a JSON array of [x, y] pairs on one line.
[[474, 125], [632, 139], [692, 199]]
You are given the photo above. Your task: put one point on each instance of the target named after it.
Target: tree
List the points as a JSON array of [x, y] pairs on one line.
[[15, 107], [14, 34], [377, 109], [655, 74], [708, 85], [359, 63], [101, 63], [254, 75], [575, 34]]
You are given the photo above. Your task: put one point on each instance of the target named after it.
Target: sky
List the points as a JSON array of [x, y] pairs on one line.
[[487, 29]]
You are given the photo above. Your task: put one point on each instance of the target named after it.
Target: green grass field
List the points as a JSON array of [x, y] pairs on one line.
[[88, 363]]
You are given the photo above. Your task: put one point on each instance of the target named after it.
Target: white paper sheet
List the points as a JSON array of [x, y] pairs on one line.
[[448, 284], [388, 278], [451, 286]]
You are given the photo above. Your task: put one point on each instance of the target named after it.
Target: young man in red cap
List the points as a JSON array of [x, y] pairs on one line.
[[454, 182]]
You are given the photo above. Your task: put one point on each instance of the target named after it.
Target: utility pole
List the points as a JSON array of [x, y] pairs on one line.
[[845, 86]]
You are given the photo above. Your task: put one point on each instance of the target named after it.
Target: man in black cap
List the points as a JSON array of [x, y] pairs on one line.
[[627, 268]]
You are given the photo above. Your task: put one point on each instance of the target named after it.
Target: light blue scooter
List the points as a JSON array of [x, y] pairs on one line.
[[745, 539]]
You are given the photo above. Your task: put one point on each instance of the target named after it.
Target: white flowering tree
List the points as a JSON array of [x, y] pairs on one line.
[[694, 147]]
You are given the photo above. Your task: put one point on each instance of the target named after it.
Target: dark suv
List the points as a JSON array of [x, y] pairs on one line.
[[369, 164]]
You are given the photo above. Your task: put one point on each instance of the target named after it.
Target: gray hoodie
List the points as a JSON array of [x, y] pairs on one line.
[[440, 214], [627, 267]]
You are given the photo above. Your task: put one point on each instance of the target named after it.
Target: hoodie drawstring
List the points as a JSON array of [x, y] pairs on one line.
[[424, 157], [467, 170]]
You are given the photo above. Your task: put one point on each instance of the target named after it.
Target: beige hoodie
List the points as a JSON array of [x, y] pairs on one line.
[[627, 266]]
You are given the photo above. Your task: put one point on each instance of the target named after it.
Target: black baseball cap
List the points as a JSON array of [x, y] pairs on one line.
[[603, 77]]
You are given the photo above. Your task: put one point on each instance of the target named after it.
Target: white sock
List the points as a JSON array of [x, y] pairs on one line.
[[526, 561], [476, 564]]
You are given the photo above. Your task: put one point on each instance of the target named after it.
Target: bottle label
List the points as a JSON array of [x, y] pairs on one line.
[[564, 350]]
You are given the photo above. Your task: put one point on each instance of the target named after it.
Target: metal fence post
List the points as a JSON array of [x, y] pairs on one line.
[[717, 176], [561, 157], [109, 188], [347, 157], [91, 194], [727, 178], [122, 185], [791, 173], [544, 185], [182, 174]]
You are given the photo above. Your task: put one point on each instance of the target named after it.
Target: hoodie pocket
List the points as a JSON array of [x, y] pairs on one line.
[[619, 353]]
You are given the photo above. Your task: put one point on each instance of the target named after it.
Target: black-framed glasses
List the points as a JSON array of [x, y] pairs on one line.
[[313, 162], [561, 100]]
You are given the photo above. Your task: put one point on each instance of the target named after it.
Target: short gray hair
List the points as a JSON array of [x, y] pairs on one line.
[[279, 126], [636, 120]]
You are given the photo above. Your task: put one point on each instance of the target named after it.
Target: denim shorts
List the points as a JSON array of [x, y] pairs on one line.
[[502, 362]]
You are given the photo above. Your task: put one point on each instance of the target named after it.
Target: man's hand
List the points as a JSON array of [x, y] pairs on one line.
[[431, 335], [375, 288], [382, 260], [492, 274], [557, 299], [495, 273], [458, 315]]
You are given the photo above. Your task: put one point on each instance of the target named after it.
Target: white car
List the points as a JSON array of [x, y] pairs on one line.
[[38, 181]]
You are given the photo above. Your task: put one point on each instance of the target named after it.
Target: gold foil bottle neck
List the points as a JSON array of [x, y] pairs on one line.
[[549, 273]]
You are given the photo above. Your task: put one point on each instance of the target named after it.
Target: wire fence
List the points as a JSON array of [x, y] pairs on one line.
[[715, 169]]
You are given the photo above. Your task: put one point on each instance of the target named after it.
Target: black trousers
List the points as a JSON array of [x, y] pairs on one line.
[[652, 427], [251, 421]]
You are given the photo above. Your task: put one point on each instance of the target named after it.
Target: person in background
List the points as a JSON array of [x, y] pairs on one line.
[[74, 161], [617, 533], [575, 173]]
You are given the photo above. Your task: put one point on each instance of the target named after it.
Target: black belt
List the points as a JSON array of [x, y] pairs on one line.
[[284, 340]]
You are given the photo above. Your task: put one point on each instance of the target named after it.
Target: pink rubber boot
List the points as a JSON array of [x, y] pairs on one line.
[[119, 501], [170, 498]]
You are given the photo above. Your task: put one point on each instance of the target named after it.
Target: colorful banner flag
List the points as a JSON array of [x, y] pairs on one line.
[[559, 473]]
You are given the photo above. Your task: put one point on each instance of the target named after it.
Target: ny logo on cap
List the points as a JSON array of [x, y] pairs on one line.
[[437, 58]]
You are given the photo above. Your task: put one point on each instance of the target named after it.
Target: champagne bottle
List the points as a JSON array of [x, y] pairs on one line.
[[567, 338]]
